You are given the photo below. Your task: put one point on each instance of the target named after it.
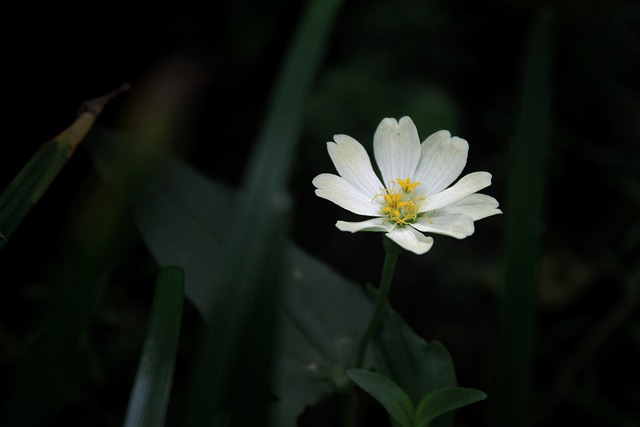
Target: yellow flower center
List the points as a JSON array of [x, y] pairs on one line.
[[401, 206]]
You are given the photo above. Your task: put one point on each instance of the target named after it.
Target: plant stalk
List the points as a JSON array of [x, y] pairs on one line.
[[388, 268]]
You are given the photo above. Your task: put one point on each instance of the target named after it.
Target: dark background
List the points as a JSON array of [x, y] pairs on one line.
[[448, 64]]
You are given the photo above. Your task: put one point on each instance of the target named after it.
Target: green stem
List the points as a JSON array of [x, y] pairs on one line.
[[390, 259], [350, 406], [350, 397]]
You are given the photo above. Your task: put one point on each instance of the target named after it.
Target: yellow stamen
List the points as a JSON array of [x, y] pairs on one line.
[[401, 207], [407, 185]]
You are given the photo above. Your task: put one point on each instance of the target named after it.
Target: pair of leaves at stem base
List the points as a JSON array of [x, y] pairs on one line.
[[177, 214], [399, 405], [416, 381]]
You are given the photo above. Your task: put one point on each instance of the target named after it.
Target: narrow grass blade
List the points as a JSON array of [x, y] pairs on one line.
[[33, 180], [513, 378], [150, 394]]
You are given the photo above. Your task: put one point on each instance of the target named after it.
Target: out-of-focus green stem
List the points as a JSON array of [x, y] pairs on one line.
[[511, 394]]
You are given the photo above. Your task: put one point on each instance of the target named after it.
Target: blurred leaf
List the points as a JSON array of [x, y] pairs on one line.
[[388, 393], [324, 316], [417, 366], [48, 365], [444, 400], [178, 216], [150, 394], [524, 209], [33, 180]]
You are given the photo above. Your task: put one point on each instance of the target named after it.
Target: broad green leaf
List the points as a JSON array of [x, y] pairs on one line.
[[388, 393], [37, 175], [319, 340], [444, 400], [150, 394], [177, 214], [324, 316], [417, 366], [512, 386]]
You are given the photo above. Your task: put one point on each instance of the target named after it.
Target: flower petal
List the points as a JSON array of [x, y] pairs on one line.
[[442, 160], [339, 191], [456, 225], [353, 164], [477, 206], [396, 147], [373, 224], [467, 185], [410, 239]]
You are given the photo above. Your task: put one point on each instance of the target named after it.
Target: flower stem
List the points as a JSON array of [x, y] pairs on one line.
[[388, 268], [350, 406], [392, 252]]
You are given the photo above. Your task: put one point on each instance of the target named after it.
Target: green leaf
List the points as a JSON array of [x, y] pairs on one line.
[[319, 340], [388, 393], [37, 175], [150, 394], [178, 216], [444, 400], [417, 366], [324, 317]]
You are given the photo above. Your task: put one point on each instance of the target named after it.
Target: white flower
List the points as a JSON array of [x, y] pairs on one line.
[[414, 197]]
